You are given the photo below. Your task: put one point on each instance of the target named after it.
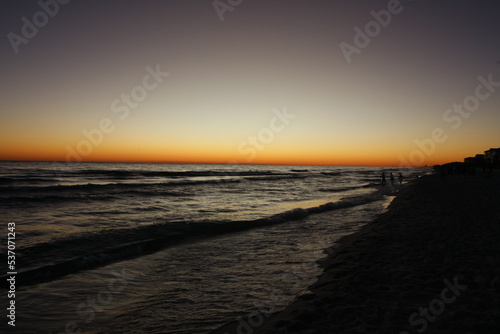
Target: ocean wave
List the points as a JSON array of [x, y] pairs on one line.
[[56, 198], [38, 197], [274, 177], [90, 251], [26, 179], [171, 174], [332, 173], [109, 191], [343, 189], [110, 186]]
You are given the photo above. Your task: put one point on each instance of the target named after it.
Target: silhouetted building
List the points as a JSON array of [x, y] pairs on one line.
[[487, 161], [470, 160], [492, 156], [479, 159]]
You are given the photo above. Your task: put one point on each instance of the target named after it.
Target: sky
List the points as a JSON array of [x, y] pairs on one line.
[[358, 83]]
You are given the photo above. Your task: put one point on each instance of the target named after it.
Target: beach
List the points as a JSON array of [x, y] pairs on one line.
[[431, 264]]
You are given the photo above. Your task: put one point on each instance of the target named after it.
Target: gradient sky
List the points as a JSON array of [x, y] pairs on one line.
[[228, 79]]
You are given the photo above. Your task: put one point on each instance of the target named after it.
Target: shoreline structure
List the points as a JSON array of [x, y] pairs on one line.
[[430, 263]]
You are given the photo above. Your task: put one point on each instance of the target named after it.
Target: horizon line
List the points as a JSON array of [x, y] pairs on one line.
[[211, 163]]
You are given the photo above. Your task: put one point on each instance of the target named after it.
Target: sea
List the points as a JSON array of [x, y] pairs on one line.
[[172, 248]]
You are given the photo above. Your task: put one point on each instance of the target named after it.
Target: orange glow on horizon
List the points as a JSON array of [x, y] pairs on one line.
[[293, 151], [190, 155]]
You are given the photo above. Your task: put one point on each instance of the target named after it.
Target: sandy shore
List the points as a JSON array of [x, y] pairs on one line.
[[430, 264]]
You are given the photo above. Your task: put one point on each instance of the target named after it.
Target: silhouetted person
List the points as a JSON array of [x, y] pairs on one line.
[[400, 178], [392, 179], [383, 179]]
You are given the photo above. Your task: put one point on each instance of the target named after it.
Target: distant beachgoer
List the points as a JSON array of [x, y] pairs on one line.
[[392, 179], [383, 179], [400, 178]]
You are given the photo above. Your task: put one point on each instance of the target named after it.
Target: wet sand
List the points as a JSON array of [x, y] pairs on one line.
[[430, 264]]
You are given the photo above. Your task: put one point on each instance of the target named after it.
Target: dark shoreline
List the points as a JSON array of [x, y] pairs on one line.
[[435, 250]]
